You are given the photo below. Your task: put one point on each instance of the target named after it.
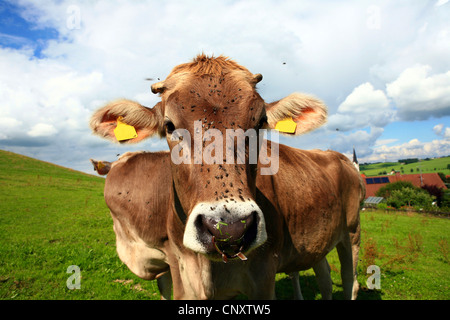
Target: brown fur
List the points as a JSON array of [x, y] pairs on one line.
[[222, 95], [311, 213]]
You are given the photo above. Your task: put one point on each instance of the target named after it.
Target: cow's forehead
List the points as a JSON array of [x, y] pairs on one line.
[[224, 87], [205, 75]]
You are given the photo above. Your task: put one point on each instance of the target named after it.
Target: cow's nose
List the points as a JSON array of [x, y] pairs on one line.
[[230, 229], [230, 238]]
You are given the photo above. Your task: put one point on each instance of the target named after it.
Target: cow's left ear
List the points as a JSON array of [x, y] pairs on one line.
[[127, 121], [296, 114]]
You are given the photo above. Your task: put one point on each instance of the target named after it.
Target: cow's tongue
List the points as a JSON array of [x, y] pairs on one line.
[[229, 250]]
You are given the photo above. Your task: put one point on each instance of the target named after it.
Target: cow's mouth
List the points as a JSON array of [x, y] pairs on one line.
[[228, 250], [230, 240]]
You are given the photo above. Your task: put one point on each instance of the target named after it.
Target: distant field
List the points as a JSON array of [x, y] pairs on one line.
[[52, 218], [427, 166]]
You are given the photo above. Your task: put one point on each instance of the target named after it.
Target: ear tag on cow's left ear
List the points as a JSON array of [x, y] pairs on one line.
[[124, 131], [287, 125]]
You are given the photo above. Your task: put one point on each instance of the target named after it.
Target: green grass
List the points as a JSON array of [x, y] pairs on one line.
[[412, 251], [427, 166], [53, 217]]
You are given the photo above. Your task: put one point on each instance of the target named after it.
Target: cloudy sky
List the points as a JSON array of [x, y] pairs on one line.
[[382, 67]]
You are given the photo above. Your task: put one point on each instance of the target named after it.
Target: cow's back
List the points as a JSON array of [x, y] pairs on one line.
[[317, 193], [137, 193]]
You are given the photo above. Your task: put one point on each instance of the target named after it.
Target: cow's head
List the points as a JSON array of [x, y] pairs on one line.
[[207, 107]]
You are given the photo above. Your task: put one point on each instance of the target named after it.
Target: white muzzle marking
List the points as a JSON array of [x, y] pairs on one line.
[[199, 240]]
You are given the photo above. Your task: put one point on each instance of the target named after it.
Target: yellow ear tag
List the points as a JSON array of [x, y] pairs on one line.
[[124, 131], [100, 165], [287, 125]]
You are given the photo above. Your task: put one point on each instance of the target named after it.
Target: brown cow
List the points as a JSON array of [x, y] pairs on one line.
[[102, 167], [219, 214], [131, 173], [140, 213]]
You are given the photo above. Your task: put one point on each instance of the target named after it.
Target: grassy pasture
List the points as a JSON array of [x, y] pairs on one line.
[[53, 217], [427, 166]]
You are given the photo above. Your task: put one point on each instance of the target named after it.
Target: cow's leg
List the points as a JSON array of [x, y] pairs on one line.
[[165, 286], [355, 253], [296, 284], [348, 256], [323, 277]]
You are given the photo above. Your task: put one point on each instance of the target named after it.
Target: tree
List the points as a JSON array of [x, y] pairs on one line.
[[433, 190], [386, 190], [411, 197], [443, 177]]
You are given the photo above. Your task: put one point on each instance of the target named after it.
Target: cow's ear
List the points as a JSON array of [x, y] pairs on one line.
[[296, 114], [127, 121]]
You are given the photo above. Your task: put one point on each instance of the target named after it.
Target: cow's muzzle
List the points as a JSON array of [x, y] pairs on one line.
[[229, 230], [230, 239]]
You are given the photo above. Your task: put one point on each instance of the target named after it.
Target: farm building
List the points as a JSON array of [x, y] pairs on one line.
[[418, 180]]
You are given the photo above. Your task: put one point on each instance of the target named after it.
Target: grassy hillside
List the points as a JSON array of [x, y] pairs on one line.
[[52, 218], [427, 166]]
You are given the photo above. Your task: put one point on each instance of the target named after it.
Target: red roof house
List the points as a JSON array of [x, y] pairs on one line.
[[418, 180]]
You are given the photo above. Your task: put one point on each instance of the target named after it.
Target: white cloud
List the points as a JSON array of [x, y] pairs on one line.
[[418, 95], [438, 128], [442, 131], [385, 142], [441, 3], [364, 107], [363, 99], [362, 140], [42, 130], [412, 149]]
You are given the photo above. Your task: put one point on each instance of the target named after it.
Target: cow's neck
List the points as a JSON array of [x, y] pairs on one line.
[[178, 209]]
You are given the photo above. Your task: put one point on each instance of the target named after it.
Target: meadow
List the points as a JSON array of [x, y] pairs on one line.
[[426, 166], [52, 218]]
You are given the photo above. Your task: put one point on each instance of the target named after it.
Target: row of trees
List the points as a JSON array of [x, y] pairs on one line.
[[405, 194]]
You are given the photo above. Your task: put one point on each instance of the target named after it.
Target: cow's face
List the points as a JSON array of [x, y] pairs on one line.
[[206, 113], [211, 114]]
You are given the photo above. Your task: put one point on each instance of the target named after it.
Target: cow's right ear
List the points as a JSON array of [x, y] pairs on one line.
[[127, 121]]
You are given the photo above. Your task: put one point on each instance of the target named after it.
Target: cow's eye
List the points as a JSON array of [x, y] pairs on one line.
[[170, 127], [261, 122]]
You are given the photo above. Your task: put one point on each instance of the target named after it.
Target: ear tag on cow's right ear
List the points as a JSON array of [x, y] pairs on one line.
[[287, 125], [100, 165], [124, 131]]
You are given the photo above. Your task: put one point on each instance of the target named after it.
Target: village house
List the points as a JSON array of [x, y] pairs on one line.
[[418, 180]]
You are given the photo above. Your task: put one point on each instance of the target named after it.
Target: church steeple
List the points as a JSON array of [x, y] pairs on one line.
[[355, 160]]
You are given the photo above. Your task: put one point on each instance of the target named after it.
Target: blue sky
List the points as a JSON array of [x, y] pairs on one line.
[[16, 32], [382, 68]]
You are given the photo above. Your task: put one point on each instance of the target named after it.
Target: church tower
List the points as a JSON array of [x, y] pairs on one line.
[[355, 160]]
